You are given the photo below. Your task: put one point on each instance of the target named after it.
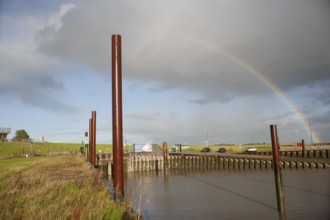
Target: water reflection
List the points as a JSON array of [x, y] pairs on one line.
[[228, 194]]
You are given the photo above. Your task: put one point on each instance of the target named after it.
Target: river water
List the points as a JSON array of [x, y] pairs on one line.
[[228, 194]]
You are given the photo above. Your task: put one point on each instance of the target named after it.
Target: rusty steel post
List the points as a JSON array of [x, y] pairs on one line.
[[165, 155], [303, 147], [94, 138], [90, 141], [277, 169], [117, 121]]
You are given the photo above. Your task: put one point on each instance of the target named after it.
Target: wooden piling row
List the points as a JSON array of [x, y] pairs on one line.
[[151, 162], [319, 154]]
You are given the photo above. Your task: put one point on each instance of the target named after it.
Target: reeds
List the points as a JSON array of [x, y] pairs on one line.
[[56, 188]]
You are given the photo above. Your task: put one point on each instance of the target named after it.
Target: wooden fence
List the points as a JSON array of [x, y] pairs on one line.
[[155, 162]]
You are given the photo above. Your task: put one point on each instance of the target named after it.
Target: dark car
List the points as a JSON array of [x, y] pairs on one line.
[[222, 150], [206, 149]]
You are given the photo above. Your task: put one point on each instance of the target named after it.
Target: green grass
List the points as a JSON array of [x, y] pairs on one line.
[[7, 165], [55, 188], [14, 149], [19, 149]]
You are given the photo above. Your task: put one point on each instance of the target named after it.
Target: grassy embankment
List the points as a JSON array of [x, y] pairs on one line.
[[260, 147], [16, 149], [54, 188]]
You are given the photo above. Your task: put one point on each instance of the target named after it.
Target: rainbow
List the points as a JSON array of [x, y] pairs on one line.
[[262, 77]]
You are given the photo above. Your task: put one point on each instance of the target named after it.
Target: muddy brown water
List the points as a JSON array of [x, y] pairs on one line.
[[228, 194]]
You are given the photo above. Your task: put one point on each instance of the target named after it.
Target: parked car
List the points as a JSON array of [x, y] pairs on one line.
[[206, 149], [222, 150], [252, 150]]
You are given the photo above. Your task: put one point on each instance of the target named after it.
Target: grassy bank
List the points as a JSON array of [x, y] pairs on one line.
[[54, 188], [19, 149], [260, 147], [11, 166]]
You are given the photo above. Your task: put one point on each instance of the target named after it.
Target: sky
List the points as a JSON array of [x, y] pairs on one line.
[[194, 72]]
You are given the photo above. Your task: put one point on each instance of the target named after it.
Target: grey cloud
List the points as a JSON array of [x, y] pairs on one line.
[[321, 124], [323, 118], [26, 78], [165, 42], [320, 93]]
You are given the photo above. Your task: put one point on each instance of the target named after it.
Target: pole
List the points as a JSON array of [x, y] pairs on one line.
[[303, 147], [165, 156], [277, 169], [90, 141], [117, 123], [86, 144], [94, 138]]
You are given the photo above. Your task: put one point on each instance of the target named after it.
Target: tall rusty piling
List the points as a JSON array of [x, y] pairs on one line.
[[165, 156], [90, 141], [303, 147], [93, 138], [277, 169], [117, 121]]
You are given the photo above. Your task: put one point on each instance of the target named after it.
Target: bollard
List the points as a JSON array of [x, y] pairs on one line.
[[221, 163], [109, 169], [191, 162], [317, 153], [246, 163], [257, 164], [241, 163], [252, 164], [277, 169], [226, 163], [269, 164], [323, 154], [236, 163]]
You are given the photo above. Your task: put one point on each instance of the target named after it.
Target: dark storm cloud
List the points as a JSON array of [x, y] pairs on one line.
[[163, 42]]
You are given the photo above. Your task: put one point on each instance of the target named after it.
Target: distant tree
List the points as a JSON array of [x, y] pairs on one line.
[[21, 135], [3, 137]]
